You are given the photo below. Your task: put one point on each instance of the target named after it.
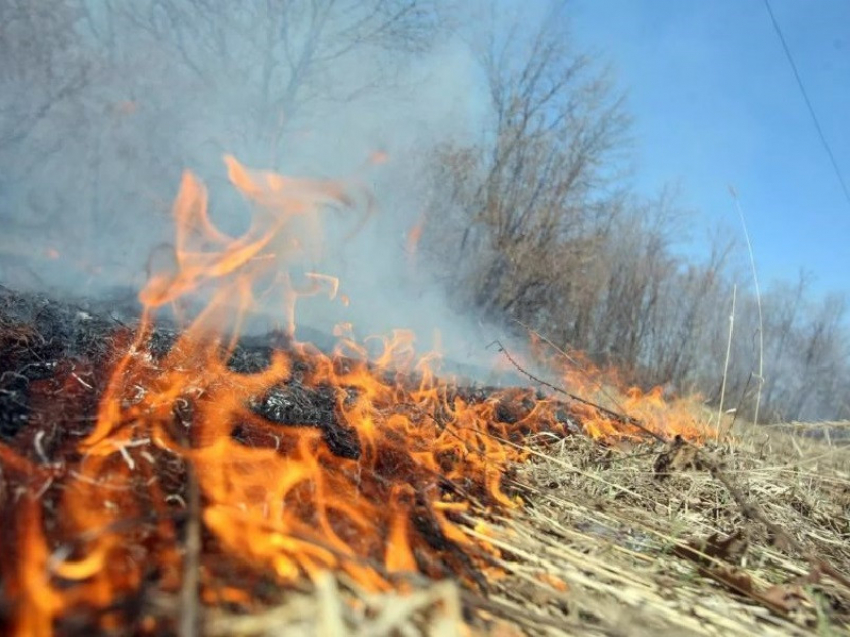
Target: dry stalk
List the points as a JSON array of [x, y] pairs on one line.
[[726, 363], [190, 608], [758, 302]]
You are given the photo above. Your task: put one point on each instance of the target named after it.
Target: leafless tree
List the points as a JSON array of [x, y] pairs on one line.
[[278, 62], [529, 224], [535, 181], [104, 102]]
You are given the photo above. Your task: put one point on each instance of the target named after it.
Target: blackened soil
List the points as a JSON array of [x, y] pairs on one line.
[[38, 338], [57, 355]]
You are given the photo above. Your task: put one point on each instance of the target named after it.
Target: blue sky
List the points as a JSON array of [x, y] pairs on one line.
[[715, 104]]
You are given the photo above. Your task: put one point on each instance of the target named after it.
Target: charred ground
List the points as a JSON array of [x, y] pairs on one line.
[[615, 537]]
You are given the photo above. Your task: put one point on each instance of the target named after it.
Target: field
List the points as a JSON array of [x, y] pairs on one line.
[[630, 538]]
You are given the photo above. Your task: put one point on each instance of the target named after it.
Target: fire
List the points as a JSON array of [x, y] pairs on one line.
[[373, 482], [414, 236], [601, 397]]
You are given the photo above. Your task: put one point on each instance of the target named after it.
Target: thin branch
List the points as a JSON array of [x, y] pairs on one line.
[[758, 302], [626, 420], [726, 364], [190, 608]]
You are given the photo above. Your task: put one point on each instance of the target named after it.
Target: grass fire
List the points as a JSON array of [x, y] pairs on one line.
[[163, 476], [403, 318]]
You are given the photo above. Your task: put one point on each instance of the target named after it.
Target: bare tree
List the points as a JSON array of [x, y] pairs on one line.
[[784, 305], [280, 61], [42, 67], [103, 102], [537, 180]]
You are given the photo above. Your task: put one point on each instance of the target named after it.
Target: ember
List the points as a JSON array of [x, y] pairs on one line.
[[302, 461]]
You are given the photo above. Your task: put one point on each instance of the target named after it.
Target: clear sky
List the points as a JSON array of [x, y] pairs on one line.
[[715, 104]]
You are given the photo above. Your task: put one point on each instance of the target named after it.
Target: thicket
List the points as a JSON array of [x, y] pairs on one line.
[[538, 225], [104, 102]]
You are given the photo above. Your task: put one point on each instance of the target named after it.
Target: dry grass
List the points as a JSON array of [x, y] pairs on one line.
[[340, 608], [604, 547], [599, 520]]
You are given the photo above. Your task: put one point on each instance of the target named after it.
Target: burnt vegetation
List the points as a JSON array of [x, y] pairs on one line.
[[57, 359], [529, 223]]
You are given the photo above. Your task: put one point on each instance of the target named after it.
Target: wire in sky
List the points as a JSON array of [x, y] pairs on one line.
[[805, 94]]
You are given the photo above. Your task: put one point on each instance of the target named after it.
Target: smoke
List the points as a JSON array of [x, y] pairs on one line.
[[106, 105]]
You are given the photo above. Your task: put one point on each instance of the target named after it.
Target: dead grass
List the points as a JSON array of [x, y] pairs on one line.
[[602, 522], [602, 546], [340, 608]]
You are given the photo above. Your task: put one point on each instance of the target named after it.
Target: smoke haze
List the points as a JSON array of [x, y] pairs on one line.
[[105, 104]]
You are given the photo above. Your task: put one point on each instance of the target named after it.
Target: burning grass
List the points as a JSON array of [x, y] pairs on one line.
[[187, 481], [604, 546], [602, 543]]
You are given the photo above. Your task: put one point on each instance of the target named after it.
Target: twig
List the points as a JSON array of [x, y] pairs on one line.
[[754, 512], [189, 605], [623, 418], [599, 386]]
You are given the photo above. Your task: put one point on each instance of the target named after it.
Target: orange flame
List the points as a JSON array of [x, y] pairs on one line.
[[414, 236], [374, 485]]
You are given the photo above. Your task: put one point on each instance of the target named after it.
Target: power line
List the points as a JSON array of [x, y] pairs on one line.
[[805, 94]]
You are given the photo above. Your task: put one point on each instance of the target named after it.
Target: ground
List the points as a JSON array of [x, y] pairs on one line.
[[604, 545], [741, 532]]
